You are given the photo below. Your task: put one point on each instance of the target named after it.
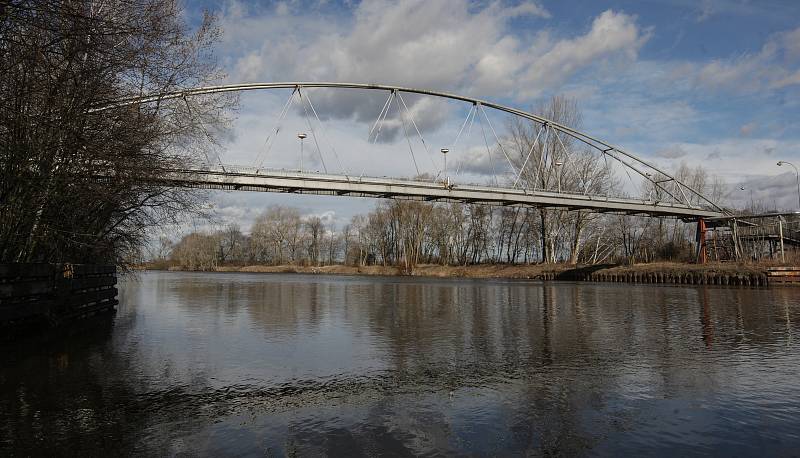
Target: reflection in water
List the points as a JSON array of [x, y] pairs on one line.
[[705, 319], [284, 364]]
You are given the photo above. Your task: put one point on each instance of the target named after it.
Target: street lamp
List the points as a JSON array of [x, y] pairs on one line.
[[752, 201], [558, 174], [444, 155], [301, 136], [796, 175]]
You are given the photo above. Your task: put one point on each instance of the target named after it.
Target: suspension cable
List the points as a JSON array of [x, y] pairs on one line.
[[208, 137], [566, 161], [313, 134], [325, 132], [542, 156], [502, 148], [469, 131], [455, 142], [458, 136], [271, 138], [374, 125], [680, 187], [379, 124], [383, 120], [422, 139], [408, 140], [488, 150], [533, 145]]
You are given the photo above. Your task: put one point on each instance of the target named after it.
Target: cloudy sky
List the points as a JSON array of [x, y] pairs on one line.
[[713, 82]]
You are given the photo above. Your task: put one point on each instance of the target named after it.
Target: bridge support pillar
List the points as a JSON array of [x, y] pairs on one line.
[[701, 241]]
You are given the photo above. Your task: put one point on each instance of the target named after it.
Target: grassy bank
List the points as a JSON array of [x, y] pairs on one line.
[[664, 272]]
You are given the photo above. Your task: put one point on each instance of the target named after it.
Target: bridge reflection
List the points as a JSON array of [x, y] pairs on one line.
[[324, 364]]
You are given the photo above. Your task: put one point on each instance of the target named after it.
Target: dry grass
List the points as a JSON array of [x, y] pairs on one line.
[[500, 270], [489, 270], [426, 270]]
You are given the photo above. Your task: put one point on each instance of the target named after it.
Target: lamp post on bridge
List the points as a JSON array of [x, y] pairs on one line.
[[752, 201], [444, 155], [796, 175], [301, 136], [657, 190], [558, 174]]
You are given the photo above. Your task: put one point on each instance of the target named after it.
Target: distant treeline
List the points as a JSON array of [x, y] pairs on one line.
[[405, 234]]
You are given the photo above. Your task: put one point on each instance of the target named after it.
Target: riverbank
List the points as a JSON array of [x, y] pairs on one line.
[[653, 273]]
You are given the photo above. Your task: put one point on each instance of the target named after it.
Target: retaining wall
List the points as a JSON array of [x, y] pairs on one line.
[[674, 278], [54, 293]]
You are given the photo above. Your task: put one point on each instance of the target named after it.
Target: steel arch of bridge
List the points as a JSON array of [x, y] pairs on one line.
[[614, 152]]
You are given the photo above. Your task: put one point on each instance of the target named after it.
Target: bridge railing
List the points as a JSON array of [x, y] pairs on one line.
[[234, 170], [387, 188], [789, 230]]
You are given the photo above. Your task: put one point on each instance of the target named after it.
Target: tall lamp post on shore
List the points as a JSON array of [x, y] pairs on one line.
[[796, 175]]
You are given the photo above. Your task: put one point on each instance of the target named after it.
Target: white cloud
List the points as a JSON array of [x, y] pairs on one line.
[[791, 43], [736, 158], [479, 165], [773, 191], [750, 69], [526, 9], [674, 152], [446, 44], [746, 129], [706, 10], [427, 44], [494, 67], [611, 34], [789, 80], [626, 112], [775, 66]]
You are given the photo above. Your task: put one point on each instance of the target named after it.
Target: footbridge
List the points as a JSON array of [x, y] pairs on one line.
[[528, 159], [234, 178]]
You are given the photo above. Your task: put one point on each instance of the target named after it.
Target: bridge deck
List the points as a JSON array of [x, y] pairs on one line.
[[326, 184]]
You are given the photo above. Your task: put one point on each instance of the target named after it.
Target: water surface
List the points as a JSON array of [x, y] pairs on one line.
[[274, 364]]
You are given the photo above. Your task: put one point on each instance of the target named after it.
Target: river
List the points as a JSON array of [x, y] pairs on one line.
[[285, 364]]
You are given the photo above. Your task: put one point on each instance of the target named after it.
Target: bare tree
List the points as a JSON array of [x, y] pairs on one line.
[[316, 231], [275, 237], [231, 244], [550, 160], [333, 245], [197, 251], [80, 185]]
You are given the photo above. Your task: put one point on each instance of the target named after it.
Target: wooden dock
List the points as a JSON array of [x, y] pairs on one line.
[[783, 275], [54, 293]]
